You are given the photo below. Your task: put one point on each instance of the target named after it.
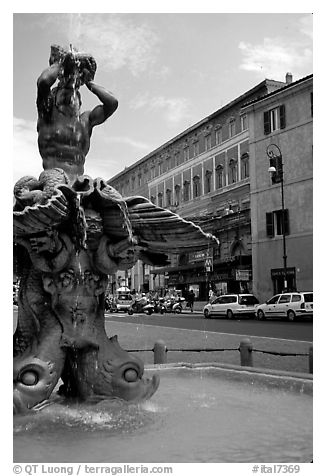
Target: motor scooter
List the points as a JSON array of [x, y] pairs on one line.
[[172, 305], [159, 306], [141, 305]]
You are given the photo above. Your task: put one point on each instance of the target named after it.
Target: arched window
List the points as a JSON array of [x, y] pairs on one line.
[[160, 199], [219, 176], [244, 165], [197, 190], [233, 176], [186, 190], [208, 181]]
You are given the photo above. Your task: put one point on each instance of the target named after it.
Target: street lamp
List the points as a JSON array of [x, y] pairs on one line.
[[276, 171]]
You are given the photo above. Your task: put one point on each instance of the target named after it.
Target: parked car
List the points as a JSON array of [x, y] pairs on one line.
[[231, 306], [121, 302], [289, 306]]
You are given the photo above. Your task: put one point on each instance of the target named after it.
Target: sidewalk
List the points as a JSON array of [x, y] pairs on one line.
[[198, 307]]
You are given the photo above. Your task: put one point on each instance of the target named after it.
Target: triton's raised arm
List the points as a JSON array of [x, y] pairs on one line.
[[109, 104]]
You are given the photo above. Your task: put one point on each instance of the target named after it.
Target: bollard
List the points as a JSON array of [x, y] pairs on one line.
[[160, 352], [245, 349], [310, 360]]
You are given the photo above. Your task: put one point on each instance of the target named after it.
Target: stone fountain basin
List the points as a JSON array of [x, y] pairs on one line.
[[204, 413]]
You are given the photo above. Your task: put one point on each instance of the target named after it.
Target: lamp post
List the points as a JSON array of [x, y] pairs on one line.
[[276, 171]]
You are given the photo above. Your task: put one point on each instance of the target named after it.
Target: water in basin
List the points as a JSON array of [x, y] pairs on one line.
[[195, 416]]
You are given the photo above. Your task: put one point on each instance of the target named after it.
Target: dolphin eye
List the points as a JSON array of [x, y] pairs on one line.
[[131, 375], [29, 378]]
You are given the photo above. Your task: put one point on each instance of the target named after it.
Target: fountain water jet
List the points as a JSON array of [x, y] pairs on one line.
[[72, 231]]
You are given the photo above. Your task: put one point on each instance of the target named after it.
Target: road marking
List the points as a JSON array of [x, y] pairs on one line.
[[213, 332]]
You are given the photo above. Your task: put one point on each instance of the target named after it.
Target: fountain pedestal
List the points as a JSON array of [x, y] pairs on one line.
[[70, 232]]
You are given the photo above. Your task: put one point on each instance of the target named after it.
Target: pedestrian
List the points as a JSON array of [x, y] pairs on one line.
[[191, 299]]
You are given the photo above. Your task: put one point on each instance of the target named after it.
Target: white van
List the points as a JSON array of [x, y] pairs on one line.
[[289, 306]]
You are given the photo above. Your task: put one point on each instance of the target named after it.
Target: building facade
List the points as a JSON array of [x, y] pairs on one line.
[[282, 122], [204, 175]]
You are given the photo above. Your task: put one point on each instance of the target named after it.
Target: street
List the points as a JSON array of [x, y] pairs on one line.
[[301, 331]]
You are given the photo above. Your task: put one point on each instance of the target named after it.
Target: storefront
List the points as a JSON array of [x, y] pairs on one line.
[[230, 276], [278, 276]]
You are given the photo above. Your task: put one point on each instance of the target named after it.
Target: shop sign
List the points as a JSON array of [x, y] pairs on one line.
[[221, 277], [242, 275], [198, 256], [280, 272]]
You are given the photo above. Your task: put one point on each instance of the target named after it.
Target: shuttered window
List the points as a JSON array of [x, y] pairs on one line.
[[274, 119], [274, 223]]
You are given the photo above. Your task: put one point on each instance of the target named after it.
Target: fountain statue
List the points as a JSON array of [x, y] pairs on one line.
[[70, 233]]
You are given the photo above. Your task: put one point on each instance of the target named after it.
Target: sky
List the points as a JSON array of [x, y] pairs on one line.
[[168, 71]]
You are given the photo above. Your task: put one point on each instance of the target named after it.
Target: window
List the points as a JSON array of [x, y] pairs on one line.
[[232, 127], [168, 162], [227, 299], [218, 135], [249, 300], [186, 153], [274, 119], [196, 181], [308, 297], [244, 166], [177, 194], [160, 199], [208, 142], [196, 148], [285, 298], [208, 181], [160, 167], [168, 197], [273, 300], [274, 223], [186, 191], [219, 176], [232, 171], [177, 158], [244, 122], [139, 180], [152, 172], [296, 298]]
